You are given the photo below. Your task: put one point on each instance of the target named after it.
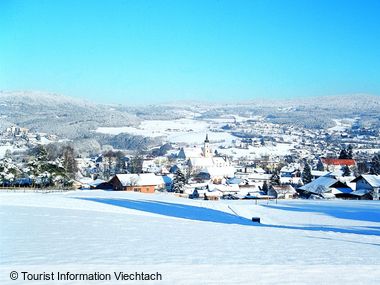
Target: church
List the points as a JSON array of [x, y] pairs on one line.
[[203, 159]]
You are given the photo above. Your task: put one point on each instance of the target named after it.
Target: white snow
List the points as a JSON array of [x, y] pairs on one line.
[[342, 125], [181, 130], [279, 149], [11, 148], [191, 241]]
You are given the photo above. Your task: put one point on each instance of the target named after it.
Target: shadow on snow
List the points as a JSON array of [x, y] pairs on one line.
[[342, 212], [196, 213], [176, 210]]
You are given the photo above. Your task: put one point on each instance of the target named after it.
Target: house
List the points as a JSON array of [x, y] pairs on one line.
[[282, 192], [362, 194], [167, 181], [234, 180], [198, 187], [89, 183], [325, 187], [149, 165], [216, 174], [155, 165], [198, 163], [258, 177], [290, 171], [367, 186], [187, 153], [250, 169], [144, 182], [333, 164], [316, 173], [225, 189]]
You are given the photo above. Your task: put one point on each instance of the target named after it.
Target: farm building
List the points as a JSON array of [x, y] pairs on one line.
[[144, 183]]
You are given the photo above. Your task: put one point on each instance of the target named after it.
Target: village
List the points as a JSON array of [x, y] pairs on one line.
[[281, 163], [198, 173]]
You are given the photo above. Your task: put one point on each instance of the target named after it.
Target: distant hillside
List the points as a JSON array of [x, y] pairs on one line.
[[313, 112], [61, 115], [76, 118]]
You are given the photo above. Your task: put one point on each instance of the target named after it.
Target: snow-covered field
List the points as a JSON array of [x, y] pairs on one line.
[[191, 241], [253, 152], [342, 125], [182, 130]]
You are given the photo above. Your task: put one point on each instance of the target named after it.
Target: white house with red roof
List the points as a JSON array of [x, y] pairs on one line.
[[335, 164]]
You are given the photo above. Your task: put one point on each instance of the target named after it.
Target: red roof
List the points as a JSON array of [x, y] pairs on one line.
[[337, 161]]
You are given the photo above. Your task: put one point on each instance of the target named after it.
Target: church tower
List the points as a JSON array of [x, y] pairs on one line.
[[206, 148]]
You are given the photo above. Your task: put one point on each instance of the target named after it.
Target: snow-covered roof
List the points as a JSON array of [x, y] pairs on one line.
[[191, 152], [234, 180], [361, 192], [291, 180], [290, 168], [219, 161], [201, 161], [213, 193], [259, 176], [373, 180], [259, 170], [127, 179], [284, 189], [148, 163], [319, 185], [319, 173], [337, 161], [225, 188], [96, 182], [150, 179], [227, 171], [142, 179], [345, 179]]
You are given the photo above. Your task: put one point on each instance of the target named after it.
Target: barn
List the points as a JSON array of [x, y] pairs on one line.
[[144, 183]]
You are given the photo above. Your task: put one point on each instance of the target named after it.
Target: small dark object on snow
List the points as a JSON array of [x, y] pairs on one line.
[[256, 220]]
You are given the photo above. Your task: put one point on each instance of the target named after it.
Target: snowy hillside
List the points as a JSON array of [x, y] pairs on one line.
[[192, 241], [45, 111]]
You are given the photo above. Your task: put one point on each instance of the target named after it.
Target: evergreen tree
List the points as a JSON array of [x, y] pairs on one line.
[[179, 182], [47, 173], [355, 171], [350, 154], [320, 166], [135, 164], [265, 187], [40, 153], [289, 159], [343, 154], [375, 165], [346, 171], [306, 173], [120, 166], [108, 162], [275, 178], [69, 162], [363, 167]]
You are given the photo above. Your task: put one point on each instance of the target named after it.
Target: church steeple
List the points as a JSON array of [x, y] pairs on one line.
[[206, 148]]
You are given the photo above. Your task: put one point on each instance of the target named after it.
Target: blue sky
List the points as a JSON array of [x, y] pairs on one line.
[[157, 51]]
